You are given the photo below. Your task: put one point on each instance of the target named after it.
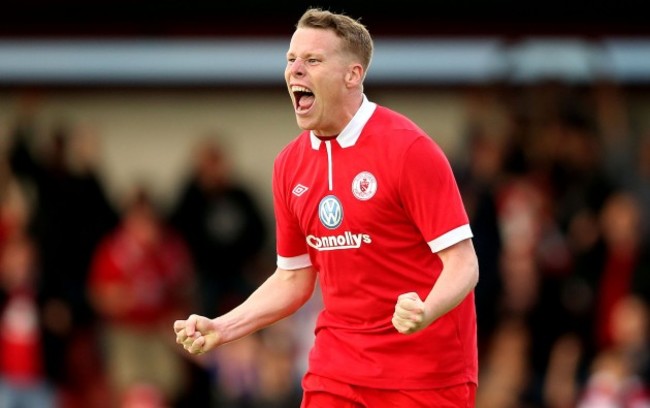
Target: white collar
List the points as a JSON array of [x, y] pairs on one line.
[[349, 135]]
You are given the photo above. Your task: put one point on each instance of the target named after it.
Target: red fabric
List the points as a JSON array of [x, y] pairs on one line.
[[615, 285], [377, 252], [20, 347], [150, 278], [322, 392]]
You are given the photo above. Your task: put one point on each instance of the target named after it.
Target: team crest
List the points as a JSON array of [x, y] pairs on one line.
[[364, 186], [330, 212]]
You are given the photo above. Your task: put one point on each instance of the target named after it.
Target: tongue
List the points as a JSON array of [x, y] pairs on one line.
[[306, 102]]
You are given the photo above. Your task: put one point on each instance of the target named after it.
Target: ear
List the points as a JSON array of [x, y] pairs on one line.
[[354, 76]]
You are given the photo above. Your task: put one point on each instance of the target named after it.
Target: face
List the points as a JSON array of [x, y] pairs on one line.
[[322, 81]]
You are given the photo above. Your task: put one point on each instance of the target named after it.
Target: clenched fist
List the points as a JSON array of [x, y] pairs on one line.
[[197, 334], [409, 316]]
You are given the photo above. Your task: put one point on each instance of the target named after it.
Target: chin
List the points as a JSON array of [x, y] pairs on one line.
[[303, 123]]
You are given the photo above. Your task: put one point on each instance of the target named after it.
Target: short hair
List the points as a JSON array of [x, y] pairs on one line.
[[356, 38]]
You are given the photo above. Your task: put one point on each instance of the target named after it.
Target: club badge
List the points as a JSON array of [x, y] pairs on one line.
[[364, 186]]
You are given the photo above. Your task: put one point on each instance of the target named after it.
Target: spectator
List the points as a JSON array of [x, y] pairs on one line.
[[141, 278], [23, 380], [223, 226], [617, 377], [72, 210], [71, 213]]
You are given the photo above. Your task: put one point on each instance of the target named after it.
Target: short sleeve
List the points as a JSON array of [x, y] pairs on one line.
[[290, 240], [431, 197]]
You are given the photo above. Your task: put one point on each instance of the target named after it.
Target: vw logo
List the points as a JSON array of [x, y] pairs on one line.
[[330, 212]]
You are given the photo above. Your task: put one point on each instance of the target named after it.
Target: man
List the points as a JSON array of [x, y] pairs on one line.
[[367, 203]]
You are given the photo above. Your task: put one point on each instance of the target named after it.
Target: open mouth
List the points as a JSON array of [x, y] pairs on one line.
[[303, 97]]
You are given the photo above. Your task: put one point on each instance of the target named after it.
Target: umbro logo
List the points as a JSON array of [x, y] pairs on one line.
[[299, 190]]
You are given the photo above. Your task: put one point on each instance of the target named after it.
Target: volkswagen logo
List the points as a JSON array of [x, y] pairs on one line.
[[330, 212]]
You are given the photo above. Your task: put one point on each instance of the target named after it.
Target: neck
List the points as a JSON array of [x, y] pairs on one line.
[[347, 112]]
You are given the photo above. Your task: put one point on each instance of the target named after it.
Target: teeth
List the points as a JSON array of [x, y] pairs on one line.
[[299, 89]]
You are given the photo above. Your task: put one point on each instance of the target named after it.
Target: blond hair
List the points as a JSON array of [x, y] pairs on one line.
[[356, 38]]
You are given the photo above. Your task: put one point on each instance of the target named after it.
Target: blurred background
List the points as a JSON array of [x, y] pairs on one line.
[[136, 147]]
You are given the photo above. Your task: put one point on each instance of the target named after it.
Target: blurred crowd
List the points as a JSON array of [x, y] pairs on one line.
[[556, 180], [90, 285]]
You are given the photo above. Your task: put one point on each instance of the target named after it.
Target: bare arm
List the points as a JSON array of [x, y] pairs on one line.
[[280, 295], [458, 278]]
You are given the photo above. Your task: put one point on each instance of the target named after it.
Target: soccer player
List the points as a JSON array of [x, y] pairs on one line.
[[365, 202]]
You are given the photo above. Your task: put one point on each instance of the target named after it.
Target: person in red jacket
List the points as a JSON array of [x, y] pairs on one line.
[[141, 278], [365, 202]]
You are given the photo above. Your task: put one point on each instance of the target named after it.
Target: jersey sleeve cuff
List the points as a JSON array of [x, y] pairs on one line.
[[450, 238], [294, 262]]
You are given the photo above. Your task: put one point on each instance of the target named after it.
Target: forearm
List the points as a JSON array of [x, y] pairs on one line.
[[457, 279], [279, 296]]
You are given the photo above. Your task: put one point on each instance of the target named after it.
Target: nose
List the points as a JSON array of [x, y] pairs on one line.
[[297, 67]]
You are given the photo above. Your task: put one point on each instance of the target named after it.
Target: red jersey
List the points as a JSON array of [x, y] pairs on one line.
[[370, 210]]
